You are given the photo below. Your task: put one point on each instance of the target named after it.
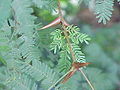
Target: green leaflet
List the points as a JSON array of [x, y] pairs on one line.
[[80, 57], [45, 4], [76, 36], [16, 81], [105, 13], [101, 8], [22, 44], [28, 46], [60, 44], [58, 40], [5, 7], [4, 35], [2, 60], [20, 51], [64, 62], [38, 71]]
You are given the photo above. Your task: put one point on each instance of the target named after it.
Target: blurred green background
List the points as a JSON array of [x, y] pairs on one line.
[[104, 48]]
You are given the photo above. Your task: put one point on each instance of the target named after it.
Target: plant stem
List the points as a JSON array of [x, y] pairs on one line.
[[90, 84], [65, 32], [59, 9], [69, 44], [74, 59], [59, 80], [71, 51]]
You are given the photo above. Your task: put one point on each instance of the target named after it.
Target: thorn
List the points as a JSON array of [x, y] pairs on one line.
[[78, 65], [75, 67], [53, 23], [69, 75]]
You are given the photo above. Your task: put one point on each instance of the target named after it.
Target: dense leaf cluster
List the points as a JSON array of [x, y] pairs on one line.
[[28, 64]]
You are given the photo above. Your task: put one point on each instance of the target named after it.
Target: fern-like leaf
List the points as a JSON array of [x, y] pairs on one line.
[[103, 10], [64, 62], [28, 48], [60, 44], [38, 71], [16, 81], [58, 40], [76, 36], [45, 4], [5, 8], [80, 57]]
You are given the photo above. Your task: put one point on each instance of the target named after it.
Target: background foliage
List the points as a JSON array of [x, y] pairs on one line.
[[26, 62]]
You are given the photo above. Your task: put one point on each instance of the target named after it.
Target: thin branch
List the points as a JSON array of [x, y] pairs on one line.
[[74, 59], [69, 44], [71, 51], [87, 79], [59, 80], [59, 9], [65, 31]]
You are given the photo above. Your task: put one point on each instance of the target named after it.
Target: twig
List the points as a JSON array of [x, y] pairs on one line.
[[87, 79], [70, 46], [58, 80], [71, 51], [74, 59], [59, 10], [65, 31]]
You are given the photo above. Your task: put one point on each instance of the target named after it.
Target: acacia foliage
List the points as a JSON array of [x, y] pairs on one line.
[[23, 65]]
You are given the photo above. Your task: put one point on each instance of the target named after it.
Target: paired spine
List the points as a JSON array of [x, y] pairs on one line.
[[74, 68]]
